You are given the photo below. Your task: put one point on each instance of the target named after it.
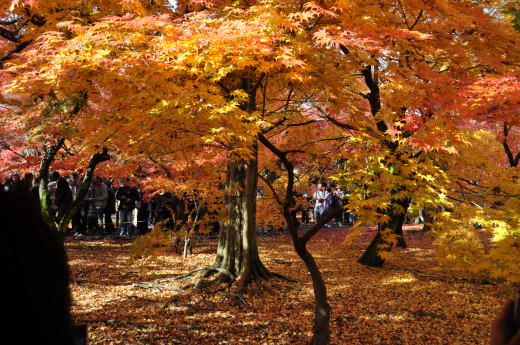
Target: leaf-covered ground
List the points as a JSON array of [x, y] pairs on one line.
[[409, 301]]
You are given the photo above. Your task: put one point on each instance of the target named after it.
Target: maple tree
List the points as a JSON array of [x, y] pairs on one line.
[[237, 255], [412, 74], [156, 103], [23, 22]]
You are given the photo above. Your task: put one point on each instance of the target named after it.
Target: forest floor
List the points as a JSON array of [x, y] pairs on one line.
[[409, 301]]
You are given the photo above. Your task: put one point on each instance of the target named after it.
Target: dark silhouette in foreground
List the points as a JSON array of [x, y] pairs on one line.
[[37, 272], [506, 330]]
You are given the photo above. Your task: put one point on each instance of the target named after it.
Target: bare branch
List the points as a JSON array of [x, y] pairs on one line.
[[324, 220], [421, 12], [17, 49], [404, 14], [333, 120], [275, 195], [9, 22], [277, 124]]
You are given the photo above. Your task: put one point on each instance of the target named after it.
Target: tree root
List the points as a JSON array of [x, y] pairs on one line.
[[152, 286], [278, 261], [110, 321], [204, 278], [208, 269], [238, 300]]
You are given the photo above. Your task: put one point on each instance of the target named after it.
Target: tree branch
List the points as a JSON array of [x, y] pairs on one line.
[[275, 195], [513, 160], [277, 124], [9, 22], [417, 19], [324, 219], [333, 120], [17, 49], [9, 35], [404, 14]]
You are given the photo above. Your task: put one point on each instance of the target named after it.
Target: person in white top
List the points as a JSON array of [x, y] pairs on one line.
[[319, 196]]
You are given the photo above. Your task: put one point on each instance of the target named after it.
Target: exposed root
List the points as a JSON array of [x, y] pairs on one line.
[[238, 300], [279, 262], [204, 278], [213, 278], [208, 269]]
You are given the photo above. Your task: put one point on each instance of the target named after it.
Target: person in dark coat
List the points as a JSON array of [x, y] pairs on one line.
[[63, 198], [111, 208], [128, 196], [143, 212]]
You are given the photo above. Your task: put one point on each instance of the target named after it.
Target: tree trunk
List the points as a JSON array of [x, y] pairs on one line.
[[80, 197], [397, 214], [237, 251], [371, 255], [320, 328], [43, 174], [321, 333], [187, 247]]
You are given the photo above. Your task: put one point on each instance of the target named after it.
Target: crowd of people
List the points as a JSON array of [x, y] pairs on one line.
[[124, 210], [322, 200], [107, 209]]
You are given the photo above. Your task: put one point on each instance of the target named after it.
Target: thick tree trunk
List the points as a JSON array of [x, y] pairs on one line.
[[371, 255], [397, 214], [80, 197], [237, 251], [43, 174]]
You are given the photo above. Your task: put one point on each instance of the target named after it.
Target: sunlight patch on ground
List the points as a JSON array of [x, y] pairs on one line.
[[398, 280], [386, 317]]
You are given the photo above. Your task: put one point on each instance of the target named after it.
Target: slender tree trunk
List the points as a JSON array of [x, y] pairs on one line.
[[397, 214], [80, 197], [321, 324], [237, 251], [321, 333], [187, 237], [320, 328], [187, 247], [43, 173]]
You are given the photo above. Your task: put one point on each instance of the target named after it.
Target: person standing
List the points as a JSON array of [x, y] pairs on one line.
[[143, 213], [63, 198], [306, 208], [111, 207], [79, 223], [320, 196], [98, 198], [339, 201], [52, 186], [27, 181], [11, 182], [127, 196]]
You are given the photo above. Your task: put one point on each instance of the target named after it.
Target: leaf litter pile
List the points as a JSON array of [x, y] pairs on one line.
[[409, 301]]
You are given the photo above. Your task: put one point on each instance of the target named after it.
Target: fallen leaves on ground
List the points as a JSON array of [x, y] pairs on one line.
[[409, 301]]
